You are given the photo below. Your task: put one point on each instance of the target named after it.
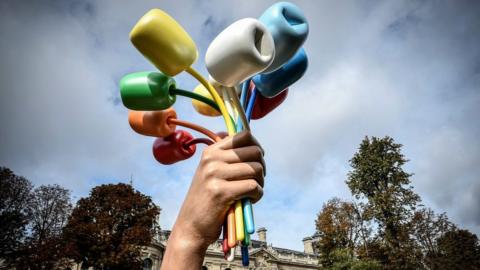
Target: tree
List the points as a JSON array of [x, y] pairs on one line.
[[373, 249], [49, 211], [15, 197], [378, 177], [427, 227], [108, 228], [339, 226], [456, 249], [343, 259]]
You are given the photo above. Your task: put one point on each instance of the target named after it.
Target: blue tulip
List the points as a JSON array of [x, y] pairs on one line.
[[273, 83], [289, 28]]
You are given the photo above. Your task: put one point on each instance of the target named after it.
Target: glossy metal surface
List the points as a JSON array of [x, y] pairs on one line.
[[241, 50], [289, 28], [153, 123], [163, 41], [147, 91], [271, 84], [171, 149]]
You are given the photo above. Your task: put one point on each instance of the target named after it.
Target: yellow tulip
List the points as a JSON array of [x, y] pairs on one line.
[[164, 42], [201, 107]]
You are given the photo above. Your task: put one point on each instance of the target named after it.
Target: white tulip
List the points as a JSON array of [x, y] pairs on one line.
[[242, 50]]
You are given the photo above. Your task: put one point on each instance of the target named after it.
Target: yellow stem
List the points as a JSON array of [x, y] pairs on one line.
[[216, 98]]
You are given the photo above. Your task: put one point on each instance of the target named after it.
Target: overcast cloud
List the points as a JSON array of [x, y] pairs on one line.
[[407, 69]]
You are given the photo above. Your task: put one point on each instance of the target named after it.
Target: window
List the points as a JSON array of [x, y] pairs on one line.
[[204, 268], [147, 264]]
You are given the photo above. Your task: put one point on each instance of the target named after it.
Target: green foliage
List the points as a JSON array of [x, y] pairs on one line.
[[377, 176], [109, 228], [343, 259], [404, 234]]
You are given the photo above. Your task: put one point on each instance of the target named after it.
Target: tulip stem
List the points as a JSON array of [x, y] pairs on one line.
[[190, 94], [251, 103], [195, 127], [216, 97], [243, 97], [197, 141], [243, 122]]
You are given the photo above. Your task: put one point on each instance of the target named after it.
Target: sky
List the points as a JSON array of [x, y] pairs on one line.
[[406, 69]]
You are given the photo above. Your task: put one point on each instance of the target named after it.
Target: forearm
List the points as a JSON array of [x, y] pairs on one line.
[[183, 251], [229, 170]]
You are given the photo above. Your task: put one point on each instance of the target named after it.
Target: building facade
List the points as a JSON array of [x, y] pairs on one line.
[[262, 255]]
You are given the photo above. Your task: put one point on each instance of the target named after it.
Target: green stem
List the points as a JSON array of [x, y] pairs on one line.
[[196, 96]]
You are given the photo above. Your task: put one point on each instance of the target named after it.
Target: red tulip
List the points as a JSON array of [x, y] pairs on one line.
[[264, 105], [172, 149]]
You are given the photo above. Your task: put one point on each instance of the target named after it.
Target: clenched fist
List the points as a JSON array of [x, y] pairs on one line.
[[229, 170]]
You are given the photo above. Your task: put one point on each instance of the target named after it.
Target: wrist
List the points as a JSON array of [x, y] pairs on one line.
[[185, 250], [188, 240]]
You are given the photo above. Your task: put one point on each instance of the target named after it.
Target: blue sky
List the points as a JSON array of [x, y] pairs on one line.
[[407, 69]]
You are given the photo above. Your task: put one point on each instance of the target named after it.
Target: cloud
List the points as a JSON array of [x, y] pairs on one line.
[[406, 69]]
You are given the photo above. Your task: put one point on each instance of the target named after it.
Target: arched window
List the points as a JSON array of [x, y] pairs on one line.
[[204, 268], [147, 264]]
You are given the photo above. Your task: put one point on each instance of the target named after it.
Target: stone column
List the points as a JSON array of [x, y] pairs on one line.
[[307, 245], [262, 234]]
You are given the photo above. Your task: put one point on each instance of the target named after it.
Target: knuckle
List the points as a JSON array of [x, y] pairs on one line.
[[257, 193], [250, 138], [258, 151], [214, 190], [258, 167], [260, 193], [208, 155], [210, 170], [253, 186]]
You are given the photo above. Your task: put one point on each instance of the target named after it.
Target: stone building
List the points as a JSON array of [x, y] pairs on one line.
[[262, 255]]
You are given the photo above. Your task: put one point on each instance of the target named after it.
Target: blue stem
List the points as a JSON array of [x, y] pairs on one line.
[[245, 258], [251, 102]]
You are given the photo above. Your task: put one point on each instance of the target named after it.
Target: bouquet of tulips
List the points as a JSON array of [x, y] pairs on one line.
[[251, 64]]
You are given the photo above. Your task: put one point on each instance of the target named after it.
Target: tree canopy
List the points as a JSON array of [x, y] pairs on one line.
[[386, 223], [108, 228], [15, 194]]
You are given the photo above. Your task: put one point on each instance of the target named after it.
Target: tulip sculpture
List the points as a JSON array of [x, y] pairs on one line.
[[251, 64]]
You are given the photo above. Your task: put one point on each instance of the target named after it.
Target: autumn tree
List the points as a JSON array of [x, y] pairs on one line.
[[377, 176], [427, 227], [108, 228], [339, 226], [15, 198], [49, 210], [403, 234]]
